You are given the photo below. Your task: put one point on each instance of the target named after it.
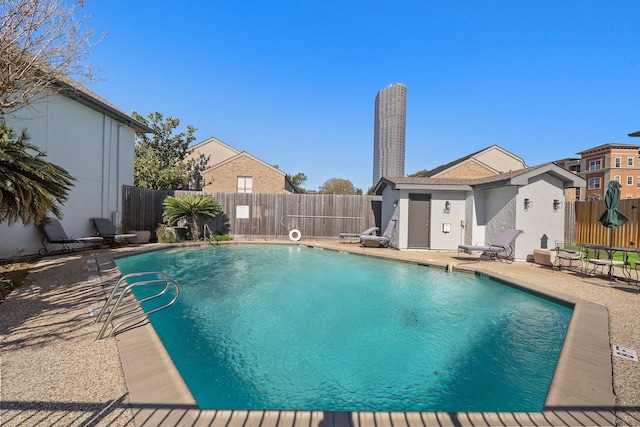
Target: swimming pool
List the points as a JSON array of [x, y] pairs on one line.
[[290, 327]]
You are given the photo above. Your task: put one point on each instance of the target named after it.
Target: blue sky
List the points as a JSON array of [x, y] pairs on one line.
[[294, 82]]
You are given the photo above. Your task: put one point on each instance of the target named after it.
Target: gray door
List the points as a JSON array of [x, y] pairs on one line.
[[419, 221]]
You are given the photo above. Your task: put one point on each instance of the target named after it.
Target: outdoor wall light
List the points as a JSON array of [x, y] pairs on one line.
[[557, 204], [395, 203], [447, 205], [527, 204]]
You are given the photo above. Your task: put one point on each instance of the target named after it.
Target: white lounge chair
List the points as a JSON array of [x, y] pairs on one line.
[[502, 248], [367, 232], [376, 241]]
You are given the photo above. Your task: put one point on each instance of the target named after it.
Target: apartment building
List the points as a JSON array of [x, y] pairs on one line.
[[389, 132], [604, 163], [572, 164]]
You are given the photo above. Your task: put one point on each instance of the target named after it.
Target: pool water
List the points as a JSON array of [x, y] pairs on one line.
[[298, 328]]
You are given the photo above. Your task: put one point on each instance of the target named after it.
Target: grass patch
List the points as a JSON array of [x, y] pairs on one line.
[[12, 276], [630, 258]]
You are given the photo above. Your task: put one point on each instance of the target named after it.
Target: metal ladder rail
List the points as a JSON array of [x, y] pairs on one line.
[[116, 288], [137, 302], [128, 319], [211, 235]]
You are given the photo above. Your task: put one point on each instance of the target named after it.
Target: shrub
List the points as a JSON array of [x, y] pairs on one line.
[[222, 238], [12, 276], [191, 208], [166, 234]]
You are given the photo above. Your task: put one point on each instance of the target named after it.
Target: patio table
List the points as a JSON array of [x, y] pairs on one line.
[[598, 262]]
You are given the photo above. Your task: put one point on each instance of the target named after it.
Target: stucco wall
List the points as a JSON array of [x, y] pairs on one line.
[[542, 225], [389, 211], [95, 149], [224, 178], [439, 238]]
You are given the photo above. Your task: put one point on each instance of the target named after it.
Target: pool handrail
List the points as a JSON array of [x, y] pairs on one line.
[[116, 287], [118, 304]]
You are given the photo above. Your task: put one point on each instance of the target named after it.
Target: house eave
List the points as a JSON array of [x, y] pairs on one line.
[[433, 187], [84, 97]]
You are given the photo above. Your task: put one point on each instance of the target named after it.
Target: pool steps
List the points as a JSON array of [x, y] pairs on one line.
[[155, 278]]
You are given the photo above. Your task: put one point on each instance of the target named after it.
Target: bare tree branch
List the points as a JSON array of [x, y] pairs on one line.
[[41, 42]]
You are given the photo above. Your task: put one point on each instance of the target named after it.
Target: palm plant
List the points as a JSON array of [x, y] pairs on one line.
[[190, 208], [30, 187]]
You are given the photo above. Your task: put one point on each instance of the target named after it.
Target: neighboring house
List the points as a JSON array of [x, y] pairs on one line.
[[244, 173], [94, 141], [231, 171], [442, 213], [572, 164], [608, 162], [486, 162], [213, 150]]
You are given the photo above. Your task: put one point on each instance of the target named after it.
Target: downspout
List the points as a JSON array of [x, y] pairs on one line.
[[102, 195], [118, 187]]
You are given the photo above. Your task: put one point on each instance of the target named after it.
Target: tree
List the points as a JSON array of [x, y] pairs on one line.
[[297, 180], [190, 208], [42, 43], [30, 187], [159, 161], [420, 173], [339, 186]]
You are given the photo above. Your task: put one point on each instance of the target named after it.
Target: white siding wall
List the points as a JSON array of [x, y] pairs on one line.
[[439, 239], [95, 149]]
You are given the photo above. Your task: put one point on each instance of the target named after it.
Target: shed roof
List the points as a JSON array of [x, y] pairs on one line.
[[518, 177], [437, 170]]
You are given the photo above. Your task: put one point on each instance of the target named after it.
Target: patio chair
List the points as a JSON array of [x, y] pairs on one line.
[[501, 248], [377, 241], [108, 232], [569, 256], [54, 233], [367, 232]]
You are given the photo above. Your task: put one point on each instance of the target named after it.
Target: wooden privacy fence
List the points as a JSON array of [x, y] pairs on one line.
[[326, 215], [142, 208], [589, 230], [273, 215]]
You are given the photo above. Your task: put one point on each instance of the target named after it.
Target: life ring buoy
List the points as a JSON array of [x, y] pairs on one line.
[[295, 235]]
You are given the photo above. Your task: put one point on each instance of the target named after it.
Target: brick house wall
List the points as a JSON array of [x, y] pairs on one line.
[[223, 178]]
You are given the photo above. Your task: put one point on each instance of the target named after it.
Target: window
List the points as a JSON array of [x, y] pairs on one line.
[[617, 178], [245, 184], [639, 182], [618, 162], [629, 180], [629, 196], [594, 165], [593, 197], [629, 161], [594, 183]]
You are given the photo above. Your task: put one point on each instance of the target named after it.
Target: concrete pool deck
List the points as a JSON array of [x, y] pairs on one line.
[[53, 373]]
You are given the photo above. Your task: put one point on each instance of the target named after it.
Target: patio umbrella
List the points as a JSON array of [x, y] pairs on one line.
[[612, 217]]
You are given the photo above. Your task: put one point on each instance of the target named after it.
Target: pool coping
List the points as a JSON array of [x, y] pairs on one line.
[[581, 391]]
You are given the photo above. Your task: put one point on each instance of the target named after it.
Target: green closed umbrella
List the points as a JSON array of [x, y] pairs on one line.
[[612, 217]]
